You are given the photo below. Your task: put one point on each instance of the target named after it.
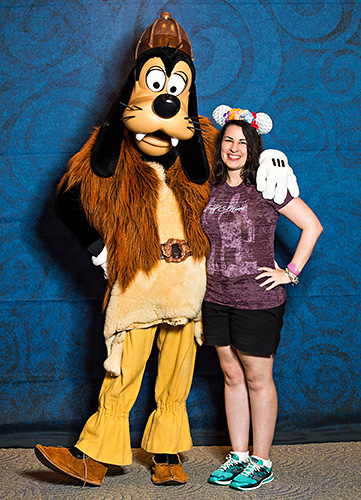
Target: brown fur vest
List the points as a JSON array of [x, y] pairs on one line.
[[122, 208]]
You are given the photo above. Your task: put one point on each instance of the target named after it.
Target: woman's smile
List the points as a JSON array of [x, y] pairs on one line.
[[234, 148]]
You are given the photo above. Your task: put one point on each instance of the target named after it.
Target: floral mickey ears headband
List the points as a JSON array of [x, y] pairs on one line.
[[260, 121]]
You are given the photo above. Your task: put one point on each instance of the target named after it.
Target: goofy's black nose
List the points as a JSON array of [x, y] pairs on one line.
[[166, 105]]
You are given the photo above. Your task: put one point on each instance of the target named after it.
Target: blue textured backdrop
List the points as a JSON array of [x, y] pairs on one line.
[[62, 63]]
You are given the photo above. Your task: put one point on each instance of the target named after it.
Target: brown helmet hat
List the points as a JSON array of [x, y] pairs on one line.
[[164, 32]]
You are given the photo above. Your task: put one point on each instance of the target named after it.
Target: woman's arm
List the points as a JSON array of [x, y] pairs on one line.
[[302, 216]]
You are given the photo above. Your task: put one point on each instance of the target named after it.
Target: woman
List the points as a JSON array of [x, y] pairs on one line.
[[245, 297]]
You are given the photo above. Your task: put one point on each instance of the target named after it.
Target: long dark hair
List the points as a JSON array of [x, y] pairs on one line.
[[254, 149]]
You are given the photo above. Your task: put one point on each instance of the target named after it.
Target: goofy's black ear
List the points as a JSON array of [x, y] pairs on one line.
[[106, 149], [192, 152]]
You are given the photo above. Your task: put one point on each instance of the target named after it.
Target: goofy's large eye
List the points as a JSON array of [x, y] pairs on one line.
[[155, 79], [176, 84]]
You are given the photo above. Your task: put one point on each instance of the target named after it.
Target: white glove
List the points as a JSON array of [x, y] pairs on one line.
[[101, 260], [275, 176]]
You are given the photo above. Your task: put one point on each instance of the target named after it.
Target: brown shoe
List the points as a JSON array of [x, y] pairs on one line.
[[61, 460], [164, 474]]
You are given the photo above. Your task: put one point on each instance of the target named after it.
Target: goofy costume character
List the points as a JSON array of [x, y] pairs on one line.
[[133, 196]]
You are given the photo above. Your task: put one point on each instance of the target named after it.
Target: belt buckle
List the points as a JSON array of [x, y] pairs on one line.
[[175, 250]]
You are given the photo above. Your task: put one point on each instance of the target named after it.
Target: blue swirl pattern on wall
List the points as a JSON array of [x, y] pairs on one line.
[[62, 64]]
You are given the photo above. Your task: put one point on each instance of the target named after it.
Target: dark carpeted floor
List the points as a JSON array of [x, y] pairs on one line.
[[326, 471]]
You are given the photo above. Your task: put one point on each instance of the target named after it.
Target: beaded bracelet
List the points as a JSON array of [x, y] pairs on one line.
[[293, 278]]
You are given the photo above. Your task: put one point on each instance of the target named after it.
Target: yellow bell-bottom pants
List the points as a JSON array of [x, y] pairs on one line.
[[106, 436]]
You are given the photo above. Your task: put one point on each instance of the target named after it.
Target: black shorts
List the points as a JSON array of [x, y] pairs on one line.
[[252, 331]]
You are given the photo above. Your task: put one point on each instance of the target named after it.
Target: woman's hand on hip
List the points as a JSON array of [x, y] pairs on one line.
[[274, 277]]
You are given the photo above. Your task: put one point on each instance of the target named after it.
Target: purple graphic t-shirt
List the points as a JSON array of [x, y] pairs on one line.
[[240, 225]]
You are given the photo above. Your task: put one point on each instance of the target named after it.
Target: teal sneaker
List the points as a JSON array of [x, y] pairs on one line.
[[252, 476], [231, 468]]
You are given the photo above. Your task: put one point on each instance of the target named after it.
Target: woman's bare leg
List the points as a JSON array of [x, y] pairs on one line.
[[263, 401], [236, 398]]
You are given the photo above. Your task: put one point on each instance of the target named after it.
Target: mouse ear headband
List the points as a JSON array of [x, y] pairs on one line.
[[260, 121]]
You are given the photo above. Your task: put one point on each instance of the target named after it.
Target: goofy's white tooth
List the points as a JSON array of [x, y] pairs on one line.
[[140, 137], [174, 141]]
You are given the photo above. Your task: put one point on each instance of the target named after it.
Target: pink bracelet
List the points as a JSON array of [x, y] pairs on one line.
[[293, 269]]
